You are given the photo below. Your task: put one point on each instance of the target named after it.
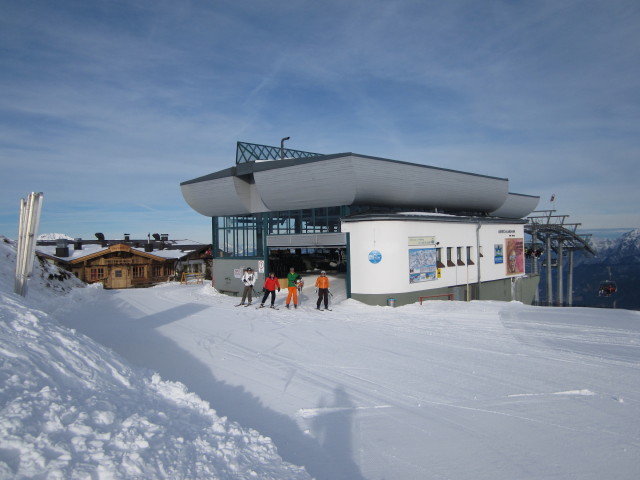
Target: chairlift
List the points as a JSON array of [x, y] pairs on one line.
[[607, 288]]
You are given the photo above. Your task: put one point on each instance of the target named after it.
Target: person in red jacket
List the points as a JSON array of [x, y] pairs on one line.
[[271, 283], [322, 284]]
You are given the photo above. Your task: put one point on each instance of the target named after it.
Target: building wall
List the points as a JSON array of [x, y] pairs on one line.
[[391, 275], [227, 274]]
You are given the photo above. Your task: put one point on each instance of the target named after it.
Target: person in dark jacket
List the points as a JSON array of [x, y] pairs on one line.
[[271, 283]]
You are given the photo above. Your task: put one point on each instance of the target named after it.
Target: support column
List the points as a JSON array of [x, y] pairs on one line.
[[560, 283], [549, 282], [570, 280]]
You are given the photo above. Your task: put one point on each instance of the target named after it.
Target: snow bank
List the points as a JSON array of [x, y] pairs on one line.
[[70, 408]]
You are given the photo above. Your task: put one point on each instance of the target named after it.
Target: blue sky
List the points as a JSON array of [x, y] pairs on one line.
[[106, 106]]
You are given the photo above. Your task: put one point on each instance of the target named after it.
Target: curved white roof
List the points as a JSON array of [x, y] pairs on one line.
[[342, 179]]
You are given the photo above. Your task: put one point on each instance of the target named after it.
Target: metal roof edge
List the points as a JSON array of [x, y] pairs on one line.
[[430, 218], [249, 168], [227, 172]]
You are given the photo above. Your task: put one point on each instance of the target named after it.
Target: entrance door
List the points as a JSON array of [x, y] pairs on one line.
[[119, 277]]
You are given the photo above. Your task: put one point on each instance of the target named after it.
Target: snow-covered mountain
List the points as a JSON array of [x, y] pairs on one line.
[[625, 248], [70, 408], [53, 236]]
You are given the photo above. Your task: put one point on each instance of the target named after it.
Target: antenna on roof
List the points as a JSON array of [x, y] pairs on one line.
[[282, 147]]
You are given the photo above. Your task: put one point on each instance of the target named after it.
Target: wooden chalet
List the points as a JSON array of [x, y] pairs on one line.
[[120, 265]]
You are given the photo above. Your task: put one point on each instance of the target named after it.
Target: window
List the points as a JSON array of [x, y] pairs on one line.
[[97, 274], [157, 271], [459, 256], [243, 235], [439, 263], [470, 256], [138, 271], [449, 260]]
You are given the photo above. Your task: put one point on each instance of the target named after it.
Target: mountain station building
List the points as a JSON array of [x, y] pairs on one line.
[[396, 232]]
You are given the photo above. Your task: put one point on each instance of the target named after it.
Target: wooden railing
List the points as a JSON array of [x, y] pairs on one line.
[[450, 295]]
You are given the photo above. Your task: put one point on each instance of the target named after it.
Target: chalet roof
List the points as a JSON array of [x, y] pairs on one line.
[[90, 251]]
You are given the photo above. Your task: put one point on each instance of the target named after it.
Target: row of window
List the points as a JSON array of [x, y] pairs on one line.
[[463, 256], [138, 271], [243, 235]]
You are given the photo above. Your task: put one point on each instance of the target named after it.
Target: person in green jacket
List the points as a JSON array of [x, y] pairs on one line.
[[292, 285]]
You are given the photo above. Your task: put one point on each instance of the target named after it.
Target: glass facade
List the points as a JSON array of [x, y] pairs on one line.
[[245, 235]]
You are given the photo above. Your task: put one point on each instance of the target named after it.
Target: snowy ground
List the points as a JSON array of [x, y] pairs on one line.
[[446, 390], [71, 409]]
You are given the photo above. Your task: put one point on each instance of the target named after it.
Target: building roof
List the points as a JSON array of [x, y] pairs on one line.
[[89, 251], [350, 179]]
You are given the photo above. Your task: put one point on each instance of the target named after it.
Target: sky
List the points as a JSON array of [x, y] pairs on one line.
[[106, 106], [201, 389]]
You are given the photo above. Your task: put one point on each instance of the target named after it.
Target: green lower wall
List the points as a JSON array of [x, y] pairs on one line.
[[524, 291]]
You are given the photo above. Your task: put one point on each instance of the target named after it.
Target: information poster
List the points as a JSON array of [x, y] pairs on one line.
[[498, 254], [515, 255], [422, 265]]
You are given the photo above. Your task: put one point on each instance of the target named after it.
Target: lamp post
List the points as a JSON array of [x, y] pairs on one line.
[[282, 147]]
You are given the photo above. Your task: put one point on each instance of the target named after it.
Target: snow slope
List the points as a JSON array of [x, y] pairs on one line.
[[446, 390], [71, 409]]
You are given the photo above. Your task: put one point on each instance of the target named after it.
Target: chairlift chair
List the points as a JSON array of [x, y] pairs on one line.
[[607, 288]]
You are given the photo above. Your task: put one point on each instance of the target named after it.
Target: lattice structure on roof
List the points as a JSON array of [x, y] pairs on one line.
[[250, 152]]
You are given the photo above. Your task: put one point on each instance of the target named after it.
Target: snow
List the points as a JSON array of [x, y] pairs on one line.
[[478, 390], [72, 409]]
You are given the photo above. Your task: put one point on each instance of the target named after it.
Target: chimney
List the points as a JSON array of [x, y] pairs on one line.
[[62, 249], [164, 237], [77, 244], [156, 236], [126, 237], [100, 236], [148, 247]]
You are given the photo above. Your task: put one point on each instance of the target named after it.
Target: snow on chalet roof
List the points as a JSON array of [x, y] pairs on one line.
[[91, 249]]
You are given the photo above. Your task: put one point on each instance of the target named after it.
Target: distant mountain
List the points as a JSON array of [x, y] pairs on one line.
[[53, 236], [617, 260]]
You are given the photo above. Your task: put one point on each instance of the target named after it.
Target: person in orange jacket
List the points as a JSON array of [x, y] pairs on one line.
[[271, 283], [322, 284]]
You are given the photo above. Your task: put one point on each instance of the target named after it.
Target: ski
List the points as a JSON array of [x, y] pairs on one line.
[[239, 305]]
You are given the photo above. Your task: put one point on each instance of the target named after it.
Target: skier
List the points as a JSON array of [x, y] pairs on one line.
[[270, 285], [249, 279], [292, 285], [322, 287]]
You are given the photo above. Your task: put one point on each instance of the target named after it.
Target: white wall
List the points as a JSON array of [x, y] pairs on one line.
[[390, 238]]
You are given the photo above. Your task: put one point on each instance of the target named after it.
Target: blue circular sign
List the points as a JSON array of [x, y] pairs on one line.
[[375, 256]]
